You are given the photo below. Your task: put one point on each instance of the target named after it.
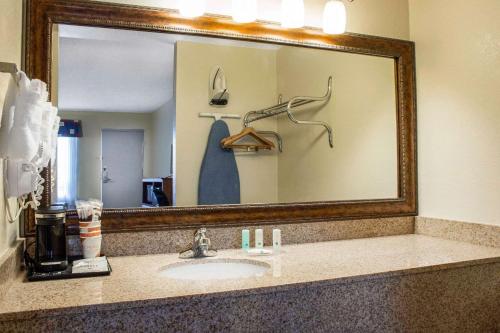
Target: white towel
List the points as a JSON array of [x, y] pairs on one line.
[[55, 132], [46, 135], [24, 137], [7, 119], [28, 134]]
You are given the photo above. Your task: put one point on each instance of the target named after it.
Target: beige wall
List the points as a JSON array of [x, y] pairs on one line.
[[363, 164], [163, 132], [251, 81], [448, 69], [458, 80], [89, 168], [362, 113], [377, 17], [10, 51], [388, 18]]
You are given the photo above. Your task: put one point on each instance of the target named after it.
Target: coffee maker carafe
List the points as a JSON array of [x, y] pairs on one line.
[[50, 243]]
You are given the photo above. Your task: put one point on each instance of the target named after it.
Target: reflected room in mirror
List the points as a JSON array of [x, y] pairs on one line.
[[161, 119]]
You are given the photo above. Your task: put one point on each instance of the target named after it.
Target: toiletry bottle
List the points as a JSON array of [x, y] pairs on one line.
[[245, 239], [259, 238], [276, 240]]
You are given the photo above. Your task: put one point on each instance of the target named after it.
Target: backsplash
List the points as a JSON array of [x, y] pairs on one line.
[[10, 265], [475, 233], [169, 241]]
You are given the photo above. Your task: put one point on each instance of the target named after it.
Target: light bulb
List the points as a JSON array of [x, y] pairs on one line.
[[334, 17], [292, 13], [244, 11], [191, 8]]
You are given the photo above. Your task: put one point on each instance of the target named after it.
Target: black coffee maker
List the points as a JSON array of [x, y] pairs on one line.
[[50, 243]]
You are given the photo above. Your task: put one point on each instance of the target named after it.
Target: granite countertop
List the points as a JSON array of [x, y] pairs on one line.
[[135, 280]]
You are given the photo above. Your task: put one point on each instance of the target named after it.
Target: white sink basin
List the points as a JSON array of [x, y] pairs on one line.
[[214, 269]]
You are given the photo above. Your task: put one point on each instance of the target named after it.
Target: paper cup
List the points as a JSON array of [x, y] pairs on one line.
[[91, 247], [90, 234], [89, 230], [90, 224]]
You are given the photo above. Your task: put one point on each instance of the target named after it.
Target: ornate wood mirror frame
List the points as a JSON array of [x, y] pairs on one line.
[[43, 14]]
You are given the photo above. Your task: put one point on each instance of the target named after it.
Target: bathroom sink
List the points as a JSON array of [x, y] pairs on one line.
[[214, 269]]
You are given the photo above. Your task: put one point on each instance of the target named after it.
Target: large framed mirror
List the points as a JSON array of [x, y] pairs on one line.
[[176, 122]]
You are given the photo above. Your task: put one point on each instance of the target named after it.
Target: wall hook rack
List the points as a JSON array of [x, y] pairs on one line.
[[218, 116], [287, 107]]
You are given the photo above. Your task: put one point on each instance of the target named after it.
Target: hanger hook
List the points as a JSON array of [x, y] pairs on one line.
[[326, 97]]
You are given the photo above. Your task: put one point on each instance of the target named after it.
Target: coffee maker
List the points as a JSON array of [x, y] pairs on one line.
[[50, 242]]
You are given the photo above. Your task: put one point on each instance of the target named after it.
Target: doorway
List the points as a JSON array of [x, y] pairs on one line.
[[122, 167]]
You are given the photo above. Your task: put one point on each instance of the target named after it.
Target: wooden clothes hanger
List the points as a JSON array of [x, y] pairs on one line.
[[231, 142]]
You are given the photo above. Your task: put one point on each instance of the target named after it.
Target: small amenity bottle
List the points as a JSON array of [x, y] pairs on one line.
[[276, 240], [259, 238], [245, 239]]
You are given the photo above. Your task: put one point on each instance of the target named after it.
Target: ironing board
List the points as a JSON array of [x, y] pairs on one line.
[[219, 181]]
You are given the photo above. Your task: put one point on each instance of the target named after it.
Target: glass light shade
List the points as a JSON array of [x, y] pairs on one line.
[[334, 17], [192, 8], [244, 11], [292, 13]]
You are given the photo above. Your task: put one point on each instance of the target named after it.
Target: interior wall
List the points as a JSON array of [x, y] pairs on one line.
[[163, 132], [458, 89], [251, 82], [89, 154], [388, 18], [362, 112], [10, 51]]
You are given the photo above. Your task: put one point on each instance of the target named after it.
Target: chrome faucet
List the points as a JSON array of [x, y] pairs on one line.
[[200, 248]]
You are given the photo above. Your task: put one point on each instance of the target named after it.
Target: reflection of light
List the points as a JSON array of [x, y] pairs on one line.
[[292, 13], [66, 164], [334, 17], [63, 170], [277, 266], [192, 8], [244, 11]]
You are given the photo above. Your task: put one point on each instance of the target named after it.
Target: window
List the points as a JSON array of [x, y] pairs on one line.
[[67, 170]]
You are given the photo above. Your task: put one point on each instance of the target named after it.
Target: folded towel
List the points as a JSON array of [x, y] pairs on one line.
[[55, 131], [7, 119], [28, 135], [24, 137], [46, 134]]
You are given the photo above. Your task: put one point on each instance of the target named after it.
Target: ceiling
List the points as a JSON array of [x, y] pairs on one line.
[[113, 70]]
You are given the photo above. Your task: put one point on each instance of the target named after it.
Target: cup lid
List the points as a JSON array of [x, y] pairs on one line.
[[50, 211]]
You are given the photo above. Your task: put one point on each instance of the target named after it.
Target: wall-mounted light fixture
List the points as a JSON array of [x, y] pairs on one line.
[[244, 11], [292, 13], [334, 17], [192, 8]]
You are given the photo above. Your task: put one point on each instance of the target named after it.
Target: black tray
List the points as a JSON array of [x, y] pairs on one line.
[[66, 274]]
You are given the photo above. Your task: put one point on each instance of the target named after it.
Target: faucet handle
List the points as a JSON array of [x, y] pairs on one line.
[[200, 247], [201, 231], [200, 235], [201, 239]]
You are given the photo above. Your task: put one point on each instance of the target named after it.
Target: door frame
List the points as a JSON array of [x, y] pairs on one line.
[[102, 158]]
